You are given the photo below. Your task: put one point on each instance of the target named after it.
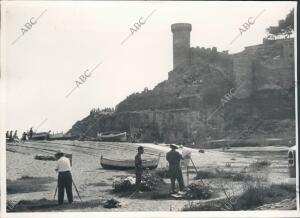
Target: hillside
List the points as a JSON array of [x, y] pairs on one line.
[[217, 96]]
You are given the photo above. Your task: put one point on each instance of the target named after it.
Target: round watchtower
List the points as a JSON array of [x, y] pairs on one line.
[[181, 44]]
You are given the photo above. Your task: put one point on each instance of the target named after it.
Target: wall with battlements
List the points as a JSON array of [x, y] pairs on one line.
[[188, 107]]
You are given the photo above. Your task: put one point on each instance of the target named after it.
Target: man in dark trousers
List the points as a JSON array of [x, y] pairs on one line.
[[24, 136], [64, 177], [174, 157], [139, 168], [30, 134]]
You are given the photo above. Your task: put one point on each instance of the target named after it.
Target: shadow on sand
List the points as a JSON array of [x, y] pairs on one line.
[[27, 184], [43, 205]]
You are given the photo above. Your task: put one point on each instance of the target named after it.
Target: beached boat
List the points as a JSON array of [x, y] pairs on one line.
[[127, 164], [40, 135], [112, 137], [61, 136]]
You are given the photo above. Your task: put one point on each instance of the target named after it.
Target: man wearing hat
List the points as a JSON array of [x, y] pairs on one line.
[[139, 168], [64, 177], [174, 158]]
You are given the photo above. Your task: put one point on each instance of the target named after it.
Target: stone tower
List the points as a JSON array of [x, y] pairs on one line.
[[181, 44]]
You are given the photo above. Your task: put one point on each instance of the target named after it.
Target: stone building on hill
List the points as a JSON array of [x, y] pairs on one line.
[[211, 95]]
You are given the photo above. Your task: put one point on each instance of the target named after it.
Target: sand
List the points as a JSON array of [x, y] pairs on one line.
[[86, 169]]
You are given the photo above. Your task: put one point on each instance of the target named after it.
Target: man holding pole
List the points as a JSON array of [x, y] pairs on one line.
[[64, 177], [174, 158]]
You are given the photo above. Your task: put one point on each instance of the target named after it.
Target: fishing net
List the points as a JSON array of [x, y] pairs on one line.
[[112, 203], [148, 183], [198, 191]]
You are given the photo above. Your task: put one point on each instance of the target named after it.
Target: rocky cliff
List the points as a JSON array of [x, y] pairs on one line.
[[214, 97]]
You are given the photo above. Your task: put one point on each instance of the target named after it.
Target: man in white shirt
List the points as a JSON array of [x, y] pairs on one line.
[[64, 177]]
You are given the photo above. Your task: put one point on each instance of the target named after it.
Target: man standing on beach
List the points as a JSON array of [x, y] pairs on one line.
[[64, 177], [174, 158], [30, 134], [15, 137], [139, 168], [24, 136], [11, 136]]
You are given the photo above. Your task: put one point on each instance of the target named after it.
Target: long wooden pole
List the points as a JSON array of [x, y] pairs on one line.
[[187, 174], [196, 170], [76, 189], [55, 193]]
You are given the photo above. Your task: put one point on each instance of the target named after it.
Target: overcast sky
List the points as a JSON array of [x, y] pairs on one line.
[[69, 38]]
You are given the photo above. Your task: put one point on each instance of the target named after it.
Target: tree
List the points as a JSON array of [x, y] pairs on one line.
[[284, 28]]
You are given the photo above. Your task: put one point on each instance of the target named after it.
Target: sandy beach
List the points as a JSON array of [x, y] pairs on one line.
[[95, 183]]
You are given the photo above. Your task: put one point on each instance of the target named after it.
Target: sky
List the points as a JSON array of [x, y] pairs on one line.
[[39, 69]]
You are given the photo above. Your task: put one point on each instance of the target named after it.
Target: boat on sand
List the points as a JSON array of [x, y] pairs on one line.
[[128, 164], [61, 136], [112, 136], [40, 135]]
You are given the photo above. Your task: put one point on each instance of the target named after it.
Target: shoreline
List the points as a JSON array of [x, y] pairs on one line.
[[86, 170]]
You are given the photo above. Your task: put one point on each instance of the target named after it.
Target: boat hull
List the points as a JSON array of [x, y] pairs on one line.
[[120, 137], [62, 137], [40, 136], [127, 164]]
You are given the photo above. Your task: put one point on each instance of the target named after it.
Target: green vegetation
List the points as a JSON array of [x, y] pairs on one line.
[[259, 165], [222, 174], [162, 172], [198, 191], [254, 195], [127, 184], [284, 28]]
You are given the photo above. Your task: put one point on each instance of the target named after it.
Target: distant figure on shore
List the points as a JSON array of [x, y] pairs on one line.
[[10, 135], [139, 168], [30, 134], [64, 177], [24, 136], [16, 135], [174, 158]]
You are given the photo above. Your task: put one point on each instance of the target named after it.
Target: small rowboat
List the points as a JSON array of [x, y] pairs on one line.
[[113, 137], [127, 164]]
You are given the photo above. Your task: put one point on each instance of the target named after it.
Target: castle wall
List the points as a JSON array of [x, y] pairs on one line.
[[243, 75], [288, 52], [182, 108], [219, 60]]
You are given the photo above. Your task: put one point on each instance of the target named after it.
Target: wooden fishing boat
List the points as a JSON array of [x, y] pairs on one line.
[[40, 136], [112, 137], [61, 136], [127, 164]]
